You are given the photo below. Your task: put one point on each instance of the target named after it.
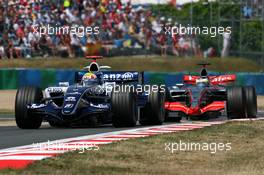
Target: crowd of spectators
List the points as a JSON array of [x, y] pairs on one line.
[[121, 26], [252, 8]]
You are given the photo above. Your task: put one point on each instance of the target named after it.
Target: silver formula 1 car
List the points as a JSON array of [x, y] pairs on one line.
[[206, 96]]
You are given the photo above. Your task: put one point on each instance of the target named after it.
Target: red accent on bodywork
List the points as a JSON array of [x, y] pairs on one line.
[[222, 79], [190, 79], [179, 107], [214, 80], [215, 106], [94, 58], [176, 106]]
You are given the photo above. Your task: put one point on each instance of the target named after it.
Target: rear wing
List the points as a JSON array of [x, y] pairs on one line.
[[222, 79], [116, 76], [94, 58], [214, 80]]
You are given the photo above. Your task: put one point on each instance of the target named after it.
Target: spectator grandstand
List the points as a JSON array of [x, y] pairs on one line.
[[124, 29], [128, 27]]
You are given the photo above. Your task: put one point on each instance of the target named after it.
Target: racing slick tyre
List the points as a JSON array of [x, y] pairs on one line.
[[236, 103], [251, 101], [124, 109], [25, 96], [153, 113]]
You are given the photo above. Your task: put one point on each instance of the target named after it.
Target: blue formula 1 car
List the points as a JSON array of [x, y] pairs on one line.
[[97, 97]]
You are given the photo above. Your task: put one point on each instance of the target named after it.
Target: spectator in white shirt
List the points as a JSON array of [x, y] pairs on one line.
[[226, 44]]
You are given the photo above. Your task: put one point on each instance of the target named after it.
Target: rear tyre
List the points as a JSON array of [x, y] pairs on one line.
[[153, 113], [251, 101], [236, 103], [24, 97], [124, 109]]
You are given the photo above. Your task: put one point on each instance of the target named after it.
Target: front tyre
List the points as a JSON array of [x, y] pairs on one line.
[[124, 108], [24, 97], [236, 103]]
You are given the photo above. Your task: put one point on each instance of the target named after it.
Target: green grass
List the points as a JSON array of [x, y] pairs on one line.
[[148, 155], [10, 112], [140, 63]]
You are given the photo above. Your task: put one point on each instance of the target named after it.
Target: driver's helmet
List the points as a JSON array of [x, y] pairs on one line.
[[89, 78], [202, 81]]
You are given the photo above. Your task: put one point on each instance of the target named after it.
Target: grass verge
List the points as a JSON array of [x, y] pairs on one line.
[[140, 63], [148, 155], [7, 112]]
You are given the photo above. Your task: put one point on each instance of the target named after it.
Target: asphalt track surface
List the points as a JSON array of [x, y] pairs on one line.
[[12, 136]]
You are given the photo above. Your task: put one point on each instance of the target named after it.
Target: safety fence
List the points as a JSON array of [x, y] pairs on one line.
[[14, 78]]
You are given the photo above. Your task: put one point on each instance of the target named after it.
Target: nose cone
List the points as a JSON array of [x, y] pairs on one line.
[[195, 111]]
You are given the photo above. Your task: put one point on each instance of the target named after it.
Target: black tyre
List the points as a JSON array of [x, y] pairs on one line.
[[124, 109], [236, 103], [153, 113], [251, 101], [25, 96]]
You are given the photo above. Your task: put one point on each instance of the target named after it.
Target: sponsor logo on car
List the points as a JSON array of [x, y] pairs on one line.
[[75, 89], [68, 106], [74, 93], [99, 105], [54, 90], [36, 106], [119, 76], [222, 78], [72, 99], [128, 76]]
